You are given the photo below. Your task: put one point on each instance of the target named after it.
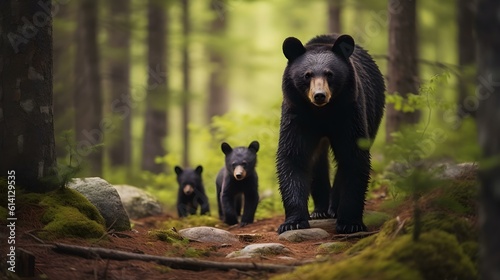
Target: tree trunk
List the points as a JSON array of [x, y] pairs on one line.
[[217, 98], [26, 118], [488, 119], [186, 29], [89, 125], [402, 65], [334, 22], [63, 42], [466, 57], [119, 68], [156, 116]]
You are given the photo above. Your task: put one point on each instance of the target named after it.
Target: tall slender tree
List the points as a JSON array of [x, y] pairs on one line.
[[26, 118], [402, 65], [334, 12], [217, 95], [89, 124], [488, 118], [186, 83], [63, 44], [466, 56], [119, 84], [156, 116]]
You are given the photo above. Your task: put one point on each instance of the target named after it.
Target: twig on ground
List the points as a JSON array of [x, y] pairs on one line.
[[173, 262], [361, 234]]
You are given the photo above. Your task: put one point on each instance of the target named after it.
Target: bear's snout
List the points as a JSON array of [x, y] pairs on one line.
[[188, 189], [319, 97], [319, 92], [239, 173]]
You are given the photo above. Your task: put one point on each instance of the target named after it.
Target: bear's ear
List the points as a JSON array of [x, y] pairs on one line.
[[178, 170], [344, 46], [293, 48], [199, 169], [226, 149], [254, 146]]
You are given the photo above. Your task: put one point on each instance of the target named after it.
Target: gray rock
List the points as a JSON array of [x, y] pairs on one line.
[[260, 249], [326, 224], [300, 235], [208, 235], [105, 198], [138, 203], [459, 171]]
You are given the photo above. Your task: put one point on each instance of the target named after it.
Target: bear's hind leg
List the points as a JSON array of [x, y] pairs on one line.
[[320, 184]]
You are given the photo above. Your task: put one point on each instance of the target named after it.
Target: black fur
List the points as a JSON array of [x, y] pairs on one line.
[[188, 203], [307, 131], [234, 190]]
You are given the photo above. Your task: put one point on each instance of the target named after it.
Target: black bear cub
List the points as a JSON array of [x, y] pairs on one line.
[[237, 184], [191, 192], [333, 97]]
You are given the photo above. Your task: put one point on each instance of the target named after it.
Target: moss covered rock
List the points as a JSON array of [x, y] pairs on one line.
[[69, 214]]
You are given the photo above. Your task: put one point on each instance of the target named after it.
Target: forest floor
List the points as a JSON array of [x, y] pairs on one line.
[[52, 265]]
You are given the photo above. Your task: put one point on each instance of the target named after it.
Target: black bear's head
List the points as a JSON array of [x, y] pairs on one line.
[[319, 70], [189, 179], [240, 161]]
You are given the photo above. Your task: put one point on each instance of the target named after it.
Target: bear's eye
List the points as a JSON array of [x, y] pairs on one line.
[[328, 74], [308, 75]]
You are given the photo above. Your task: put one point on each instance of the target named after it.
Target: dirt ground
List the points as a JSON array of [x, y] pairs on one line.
[[52, 265]]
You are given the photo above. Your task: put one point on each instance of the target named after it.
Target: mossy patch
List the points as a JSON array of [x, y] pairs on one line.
[[333, 247], [353, 270], [458, 226], [437, 255], [193, 221], [167, 235], [67, 214], [375, 219]]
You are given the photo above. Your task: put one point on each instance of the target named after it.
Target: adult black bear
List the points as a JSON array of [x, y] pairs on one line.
[[238, 177], [191, 193], [333, 96]]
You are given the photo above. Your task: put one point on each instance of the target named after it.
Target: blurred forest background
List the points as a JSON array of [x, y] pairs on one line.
[[142, 86]]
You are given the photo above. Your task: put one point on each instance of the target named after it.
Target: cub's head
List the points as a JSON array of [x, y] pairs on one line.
[[240, 161], [319, 70], [189, 179]]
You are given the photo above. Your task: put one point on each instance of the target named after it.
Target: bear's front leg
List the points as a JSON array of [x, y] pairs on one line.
[[294, 154], [250, 206], [203, 201], [350, 186], [227, 199]]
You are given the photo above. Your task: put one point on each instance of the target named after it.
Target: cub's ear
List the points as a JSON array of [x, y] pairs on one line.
[[254, 146], [178, 170], [344, 46], [226, 149], [293, 48], [199, 169]]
